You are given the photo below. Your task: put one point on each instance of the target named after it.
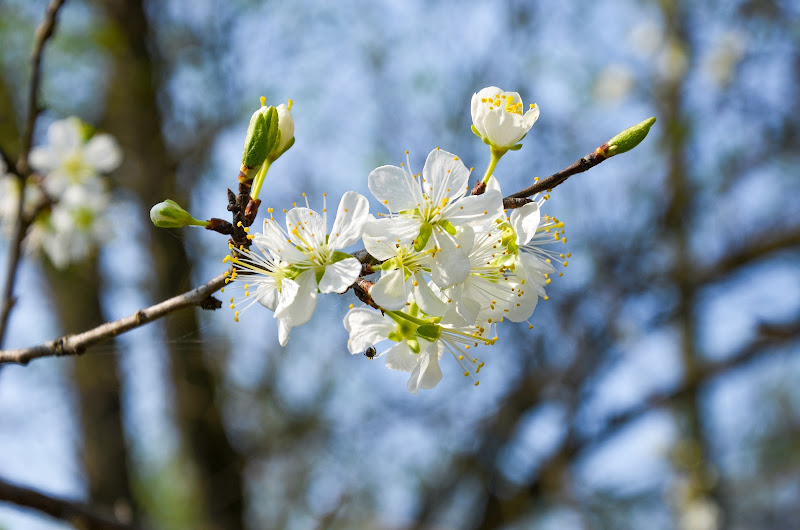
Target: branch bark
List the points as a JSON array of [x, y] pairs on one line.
[[77, 344], [43, 34]]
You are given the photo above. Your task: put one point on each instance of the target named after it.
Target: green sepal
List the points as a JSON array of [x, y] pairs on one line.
[[338, 256], [319, 273], [629, 138], [475, 132], [255, 149], [515, 147], [274, 156], [273, 137], [395, 336], [429, 332], [421, 241], [447, 226], [413, 345]]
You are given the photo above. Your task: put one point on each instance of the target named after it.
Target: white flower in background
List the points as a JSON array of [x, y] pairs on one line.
[[427, 213], [69, 170], [498, 119], [9, 199], [69, 159], [304, 259]]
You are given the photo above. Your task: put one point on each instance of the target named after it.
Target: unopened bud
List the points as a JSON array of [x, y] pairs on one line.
[[286, 136], [629, 138], [169, 214], [263, 135]]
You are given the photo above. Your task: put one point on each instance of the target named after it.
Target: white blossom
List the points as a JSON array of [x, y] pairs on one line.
[[497, 117]]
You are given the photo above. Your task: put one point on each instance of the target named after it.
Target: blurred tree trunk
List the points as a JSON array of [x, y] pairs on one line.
[[133, 117], [691, 455], [104, 451], [76, 293]]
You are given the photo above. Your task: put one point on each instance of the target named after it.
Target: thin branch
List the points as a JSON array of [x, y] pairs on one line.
[[43, 33], [757, 248], [77, 344], [770, 335], [515, 200], [72, 512]]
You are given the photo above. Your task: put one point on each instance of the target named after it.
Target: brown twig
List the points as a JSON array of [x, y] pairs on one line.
[[74, 513], [77, 344], [515, 200], [43, 33]]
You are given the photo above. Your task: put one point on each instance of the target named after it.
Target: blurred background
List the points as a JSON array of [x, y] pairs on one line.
[[658, 388]]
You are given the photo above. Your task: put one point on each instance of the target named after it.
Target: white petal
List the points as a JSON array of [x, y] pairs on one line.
[[44, 159], [444, 176], [381, 248], [306, 227], [64, 136], [366, 328], [339, 276], [426, 299], [102, 153], [301, 308], [525, 221], [396, 229], [394, 188], [503, 128], [426, 373], [350, 217], [399, 357], [286, 295], [267, 295], [283, 332], [390, 291], [450, 265], [531, 116], [475, 210]]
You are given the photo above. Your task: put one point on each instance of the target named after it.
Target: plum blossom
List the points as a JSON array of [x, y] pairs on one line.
[[498, 119], [426, 211]]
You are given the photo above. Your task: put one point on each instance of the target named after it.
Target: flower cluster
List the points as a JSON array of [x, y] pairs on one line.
[[452, 264], [67, 195]]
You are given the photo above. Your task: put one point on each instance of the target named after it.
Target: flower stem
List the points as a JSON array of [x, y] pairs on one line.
[[258, 180], [496, 155]]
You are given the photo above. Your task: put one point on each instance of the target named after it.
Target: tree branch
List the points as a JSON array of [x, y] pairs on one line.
[[77, 344], [43, 33], [74, 513], [515, 200]]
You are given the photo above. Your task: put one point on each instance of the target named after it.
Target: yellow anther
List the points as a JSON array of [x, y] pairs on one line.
[[350, 306], [530, 326], [263, 101], [289, 106], [466, 374], [477, 383], [239, 224]]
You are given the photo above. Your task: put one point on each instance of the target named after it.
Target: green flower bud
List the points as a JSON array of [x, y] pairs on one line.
[[629, 138], [263, 136], [169, 214]]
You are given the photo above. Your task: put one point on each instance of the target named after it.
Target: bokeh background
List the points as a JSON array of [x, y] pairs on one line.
[[658, 388]]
